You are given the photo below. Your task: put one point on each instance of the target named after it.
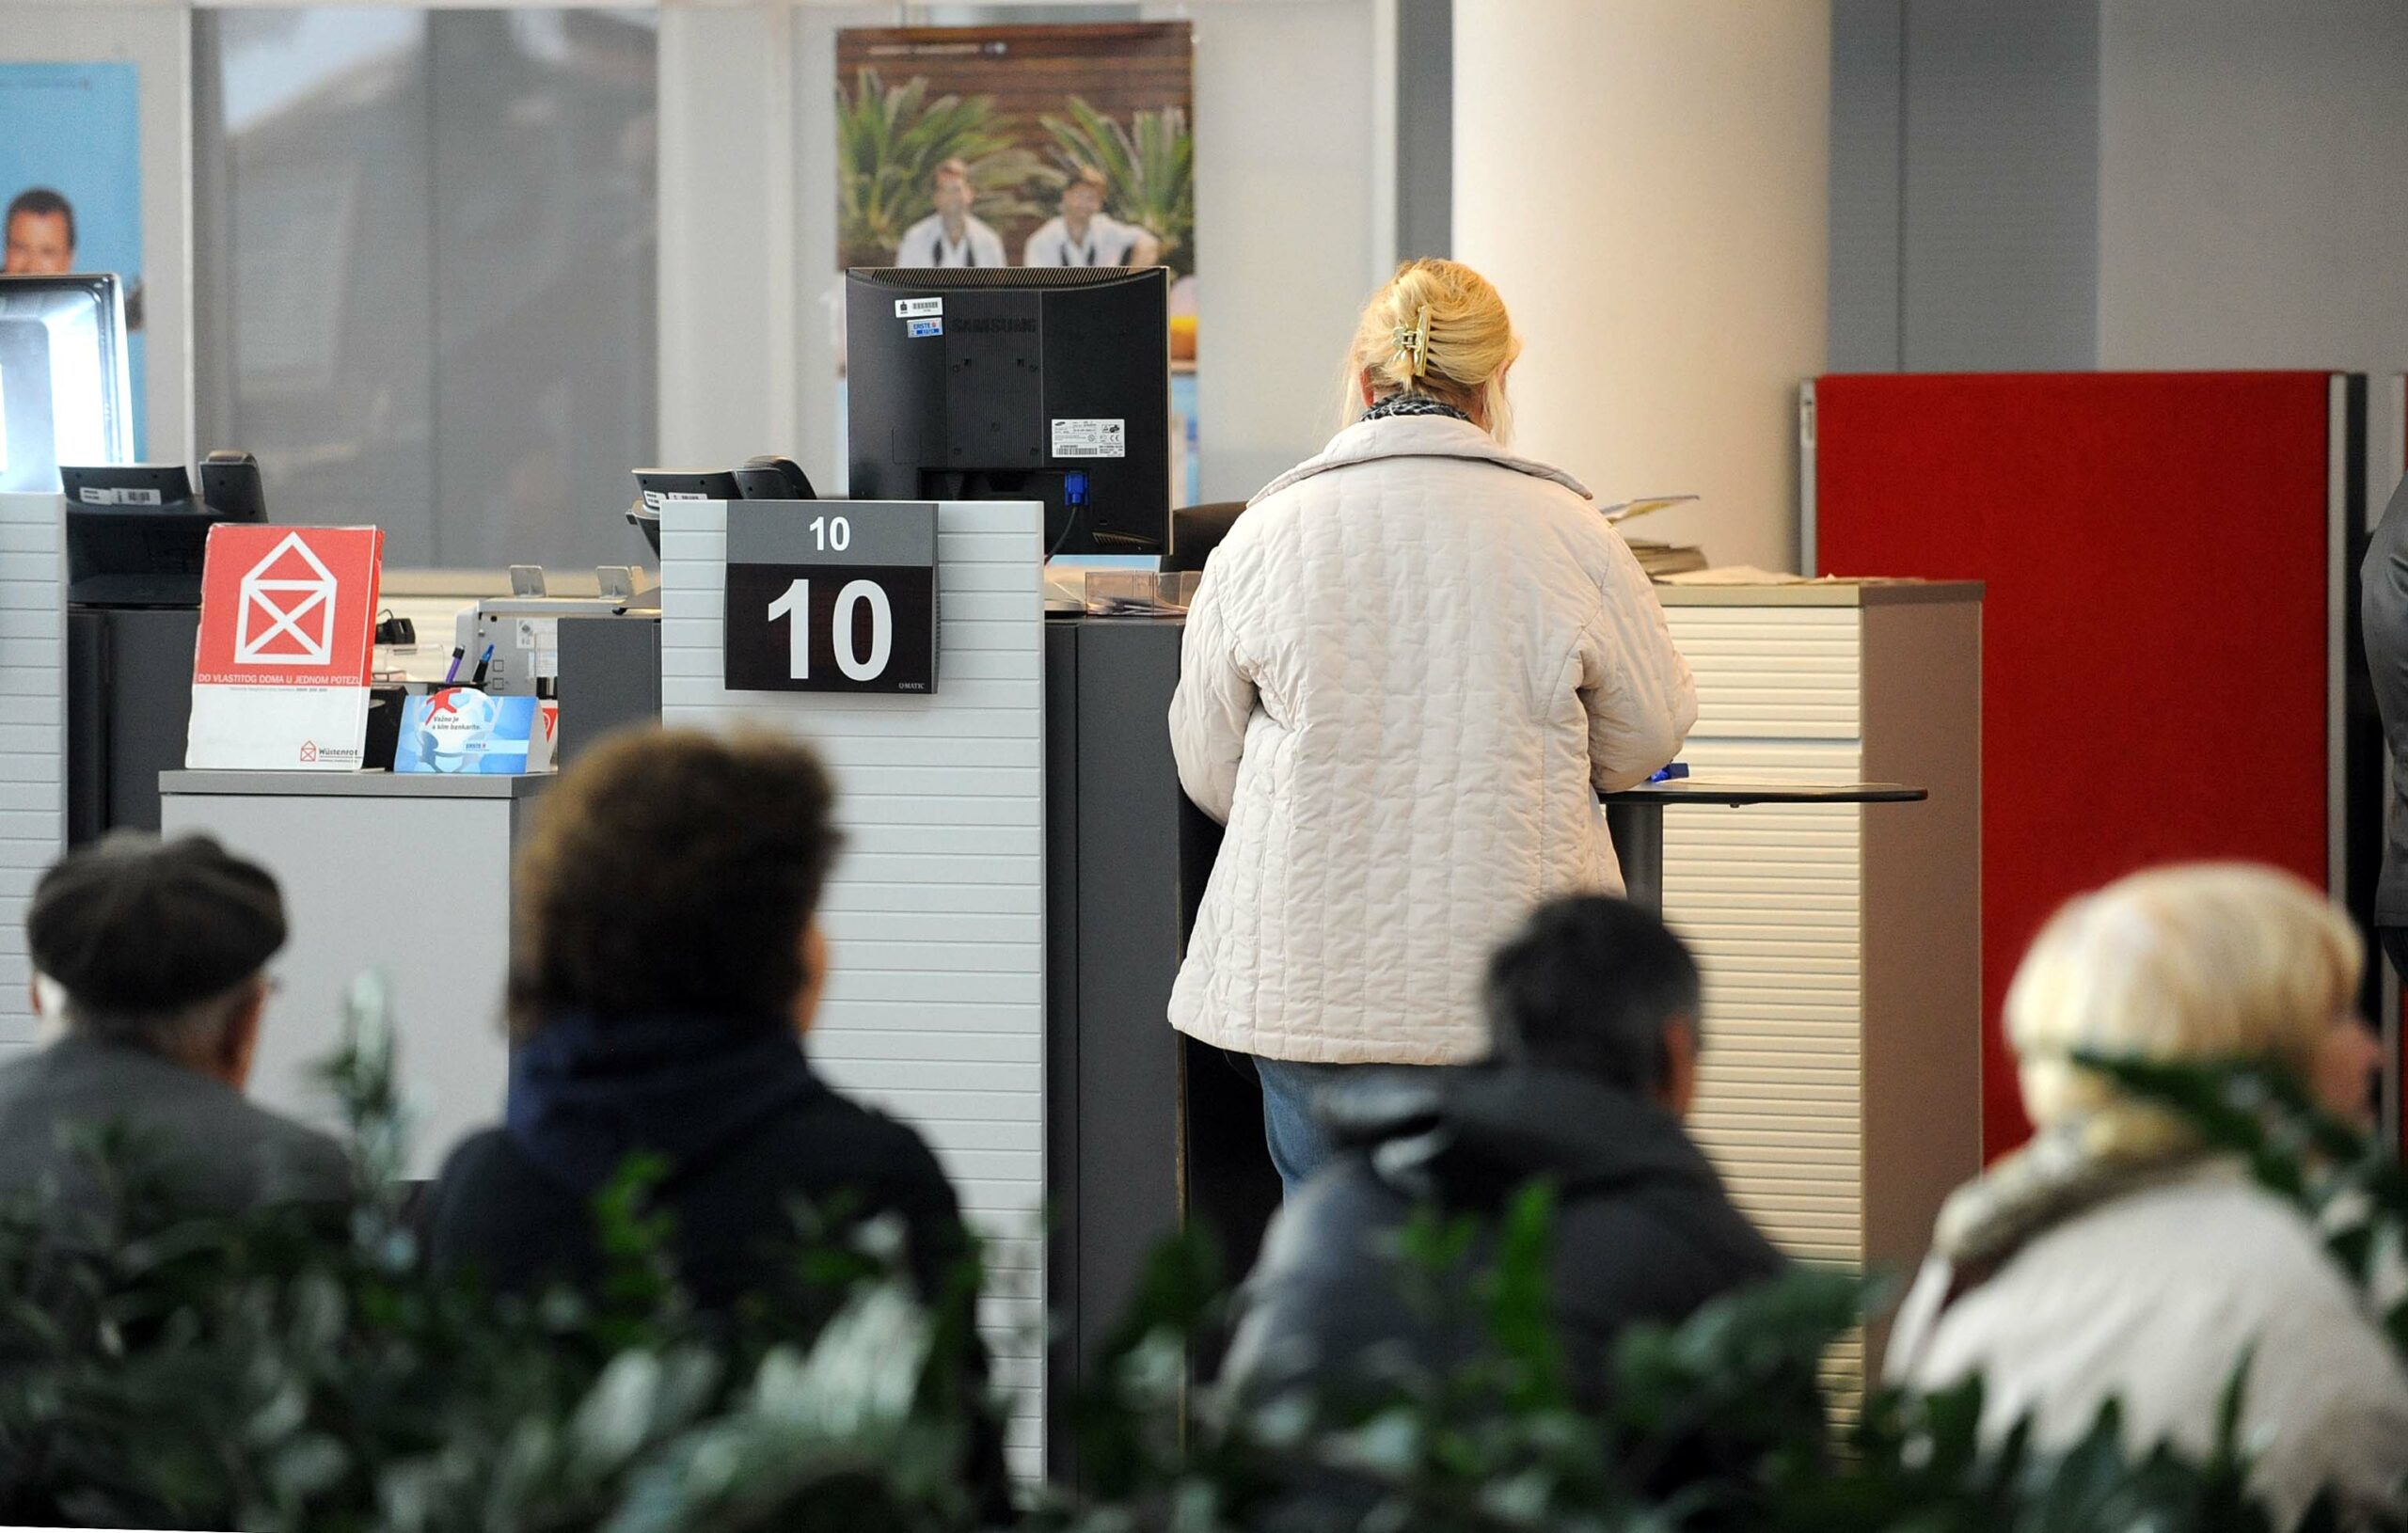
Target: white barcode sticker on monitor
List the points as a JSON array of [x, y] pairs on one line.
[[1090, 438], [918, 308]]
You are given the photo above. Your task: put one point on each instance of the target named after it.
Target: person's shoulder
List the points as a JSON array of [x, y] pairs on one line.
[[2206, 1209], [23, 1075], [2214, 1232], [290, 1134], [295, 1161], [829, 1137], [1546, 501], [480, 1159], [1667, 1249], [485, 1181]]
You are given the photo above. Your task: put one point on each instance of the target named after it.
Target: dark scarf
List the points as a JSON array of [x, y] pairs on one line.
[[1397, 404], [585, 1093]]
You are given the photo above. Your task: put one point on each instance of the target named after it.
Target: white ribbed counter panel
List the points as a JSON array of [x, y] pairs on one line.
[[935, 915], [33, 732], [1804, 1095], [1769, 897]]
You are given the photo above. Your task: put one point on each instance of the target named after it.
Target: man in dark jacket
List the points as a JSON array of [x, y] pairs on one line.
[[1593, 1013], [148, 960]]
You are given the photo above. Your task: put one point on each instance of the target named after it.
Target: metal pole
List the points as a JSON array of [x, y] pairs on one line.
[[1637, 830]]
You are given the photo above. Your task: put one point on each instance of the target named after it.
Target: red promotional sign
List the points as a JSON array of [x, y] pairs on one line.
[[288, 606], [288, 628]]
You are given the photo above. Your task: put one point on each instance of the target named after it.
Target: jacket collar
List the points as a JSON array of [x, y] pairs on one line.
[[1415, 436], [1463, 1134], [587, 1092]]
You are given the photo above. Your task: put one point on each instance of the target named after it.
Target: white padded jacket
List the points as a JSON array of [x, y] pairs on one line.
[[2154, 1299], [1405, 675]]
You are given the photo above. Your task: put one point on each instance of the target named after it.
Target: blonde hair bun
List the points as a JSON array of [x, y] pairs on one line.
[[1437, 328]]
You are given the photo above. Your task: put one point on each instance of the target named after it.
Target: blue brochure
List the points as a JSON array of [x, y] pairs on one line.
[[462, 730]]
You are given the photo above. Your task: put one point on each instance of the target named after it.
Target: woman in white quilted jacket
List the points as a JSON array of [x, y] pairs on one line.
[[1408, 672]]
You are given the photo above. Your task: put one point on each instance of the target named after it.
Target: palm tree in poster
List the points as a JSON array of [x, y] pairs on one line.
[[1150, 166], [891, 138]]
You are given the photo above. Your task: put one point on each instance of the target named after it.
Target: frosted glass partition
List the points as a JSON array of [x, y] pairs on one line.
[[424, 245]]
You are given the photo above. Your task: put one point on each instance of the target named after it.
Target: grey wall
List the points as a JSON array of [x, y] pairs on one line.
[[2118, 184], [2250, 185], [426, 251], [1425, 127], [1964, 184], [1868, 173]]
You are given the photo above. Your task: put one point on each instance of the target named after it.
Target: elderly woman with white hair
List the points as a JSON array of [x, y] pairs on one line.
[[2115, 1256]]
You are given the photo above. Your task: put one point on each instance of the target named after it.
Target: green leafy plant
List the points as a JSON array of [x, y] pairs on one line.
[[283, 1372], [280, 1371], [889, 141], [1149, 167]]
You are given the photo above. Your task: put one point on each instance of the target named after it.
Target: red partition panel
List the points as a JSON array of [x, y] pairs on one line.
[[2153, 637]]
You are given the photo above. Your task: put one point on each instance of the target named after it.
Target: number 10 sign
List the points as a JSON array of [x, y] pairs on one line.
[[830, 596]]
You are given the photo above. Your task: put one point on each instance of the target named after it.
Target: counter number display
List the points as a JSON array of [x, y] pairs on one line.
[[830, 596]]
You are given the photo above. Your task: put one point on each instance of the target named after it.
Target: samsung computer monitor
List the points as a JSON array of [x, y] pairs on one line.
[[1016, 383], [64, 390]]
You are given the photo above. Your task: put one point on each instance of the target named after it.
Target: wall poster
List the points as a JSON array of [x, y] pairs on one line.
[[1027, 146], [70, 184]]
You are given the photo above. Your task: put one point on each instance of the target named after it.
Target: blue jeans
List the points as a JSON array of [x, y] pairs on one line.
[[1299, 1145]]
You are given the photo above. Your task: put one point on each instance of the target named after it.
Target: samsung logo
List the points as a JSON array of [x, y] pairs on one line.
[[994, 328]]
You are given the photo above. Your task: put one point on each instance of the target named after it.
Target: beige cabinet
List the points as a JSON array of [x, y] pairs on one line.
[[1841, 1092]]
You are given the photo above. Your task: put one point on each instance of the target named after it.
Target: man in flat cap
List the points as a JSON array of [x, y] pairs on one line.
[[147, 959]]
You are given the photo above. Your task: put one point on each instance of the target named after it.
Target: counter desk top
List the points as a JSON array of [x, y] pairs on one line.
[[354, 784], [1821, 593]]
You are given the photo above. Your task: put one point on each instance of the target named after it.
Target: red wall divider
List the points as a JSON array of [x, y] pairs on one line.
[[2153, 634]]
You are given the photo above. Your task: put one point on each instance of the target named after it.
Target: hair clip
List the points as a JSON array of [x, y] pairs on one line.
[[1415, 342]]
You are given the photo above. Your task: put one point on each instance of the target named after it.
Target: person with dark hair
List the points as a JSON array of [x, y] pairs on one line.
[[40, 235], [952, 235], [148, 960], [1592, 1009], [666, 962], [1084, 235]]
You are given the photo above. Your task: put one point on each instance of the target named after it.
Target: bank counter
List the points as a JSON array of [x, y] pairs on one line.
[[406, 875], [1022, 868]]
